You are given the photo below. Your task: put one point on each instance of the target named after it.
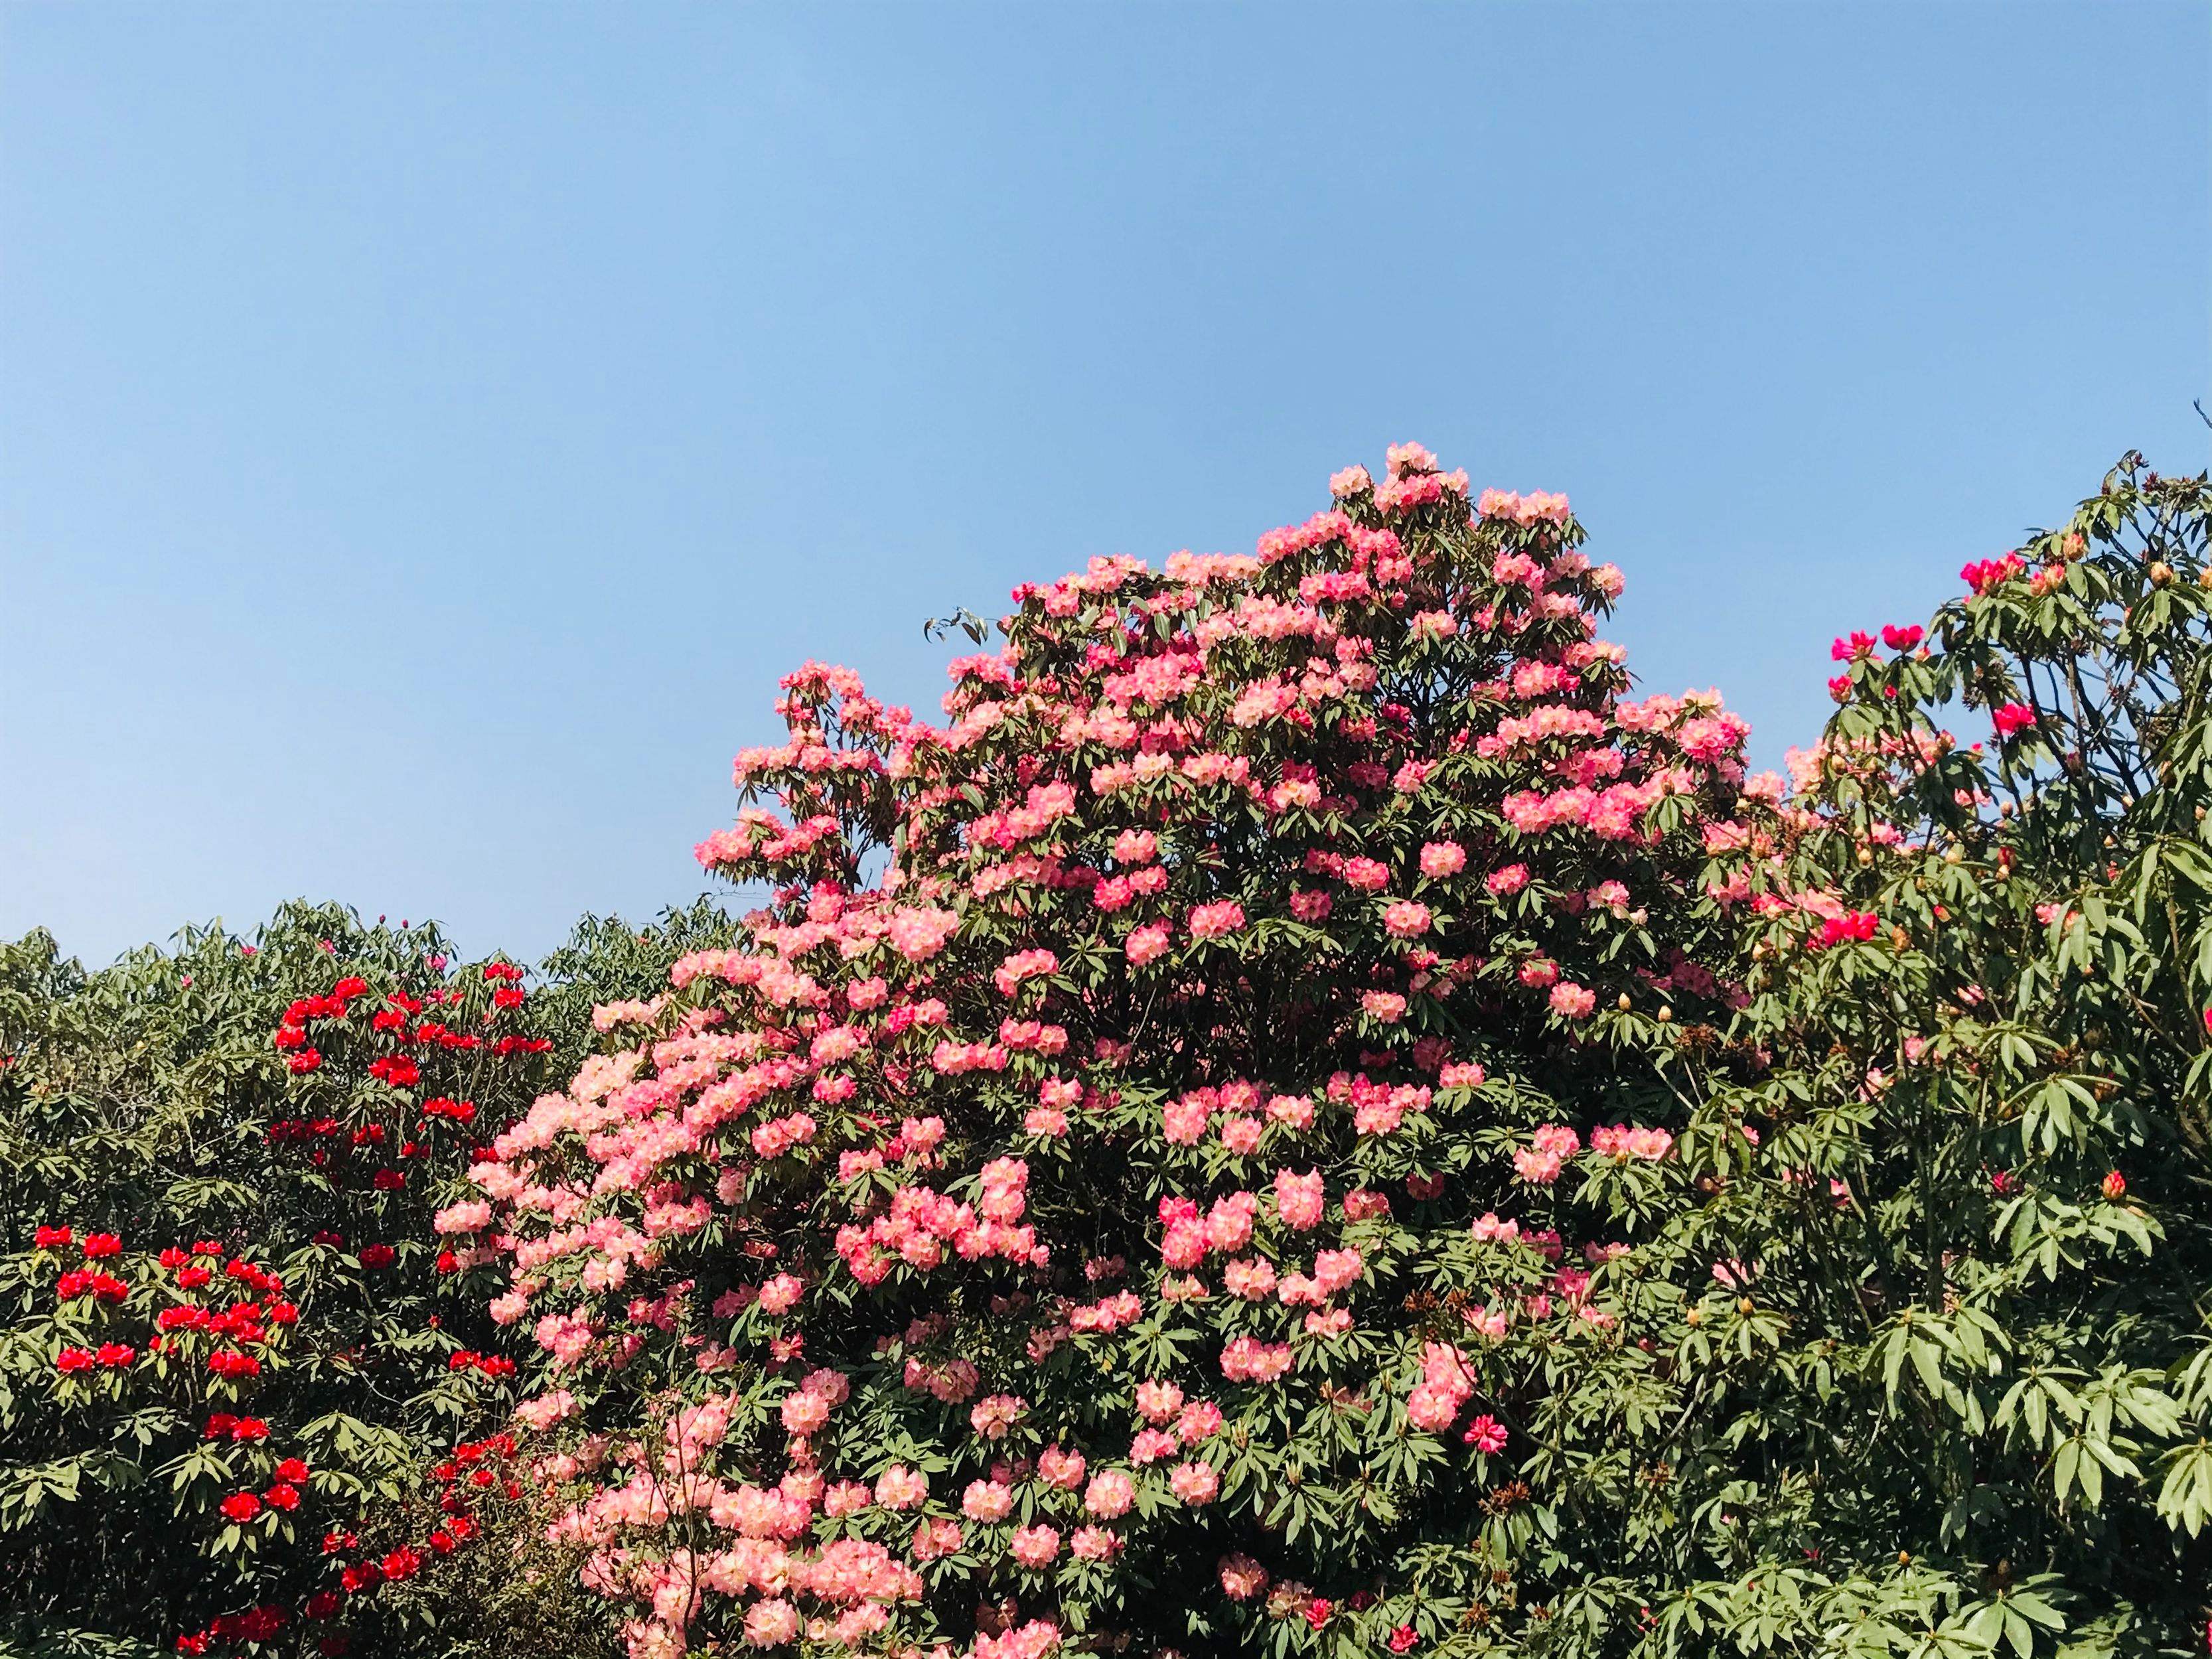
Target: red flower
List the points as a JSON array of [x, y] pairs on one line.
[[293, 1468], [283, 1496], [52, 1238], [1982, 574], [306, 1060], [1859, 644], [1403, 1639], [1859, 925], [113, 1354], [191, 1279], [1317, 1611], [402, 1563], [399, 1071], [2116, 1185], [72, 1359], [2011, 718], [322, 1604], [97, 1245], [241, 1506], [1901, 639], [228, 1362], [378, 1255]]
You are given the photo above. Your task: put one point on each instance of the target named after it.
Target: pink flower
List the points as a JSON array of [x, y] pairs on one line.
[[1058, 1467], [1146, 945], [1194, 1483], [1299, 1199], [987, 1501], [1034, 1547], [1406, 918], [901, 1488], [1216, 921], [1158, 1401], [805, 1412], [771, 1624], [1110, 1493], [1440, 859], [1242, 1577], [1430, 1409], [1486, 1434], [1095, 1544], [1201, 1421], [1572, 1000]]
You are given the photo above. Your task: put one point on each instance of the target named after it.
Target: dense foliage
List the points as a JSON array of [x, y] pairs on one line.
[[231, 1332], [1102, 1201], [1304, 1119]]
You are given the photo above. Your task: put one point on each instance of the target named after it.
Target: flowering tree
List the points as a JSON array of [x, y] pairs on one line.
[[231, 1332], [1965, 1228], [1112, 1193]]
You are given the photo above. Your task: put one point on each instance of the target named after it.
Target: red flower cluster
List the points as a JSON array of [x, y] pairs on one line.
[[1982, 574], [112, 1355], [1857, 926], [87, 1281], [489, 1365]]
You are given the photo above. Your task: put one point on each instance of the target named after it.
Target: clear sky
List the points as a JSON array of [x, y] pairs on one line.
[[427, 432]]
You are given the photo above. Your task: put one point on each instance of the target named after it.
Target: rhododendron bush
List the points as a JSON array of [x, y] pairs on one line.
[[1968, 1217], [231, 1330], [1115, 1190], [1301, 1117]]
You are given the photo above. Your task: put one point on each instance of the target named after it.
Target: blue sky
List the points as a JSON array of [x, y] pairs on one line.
[[426, 433]]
